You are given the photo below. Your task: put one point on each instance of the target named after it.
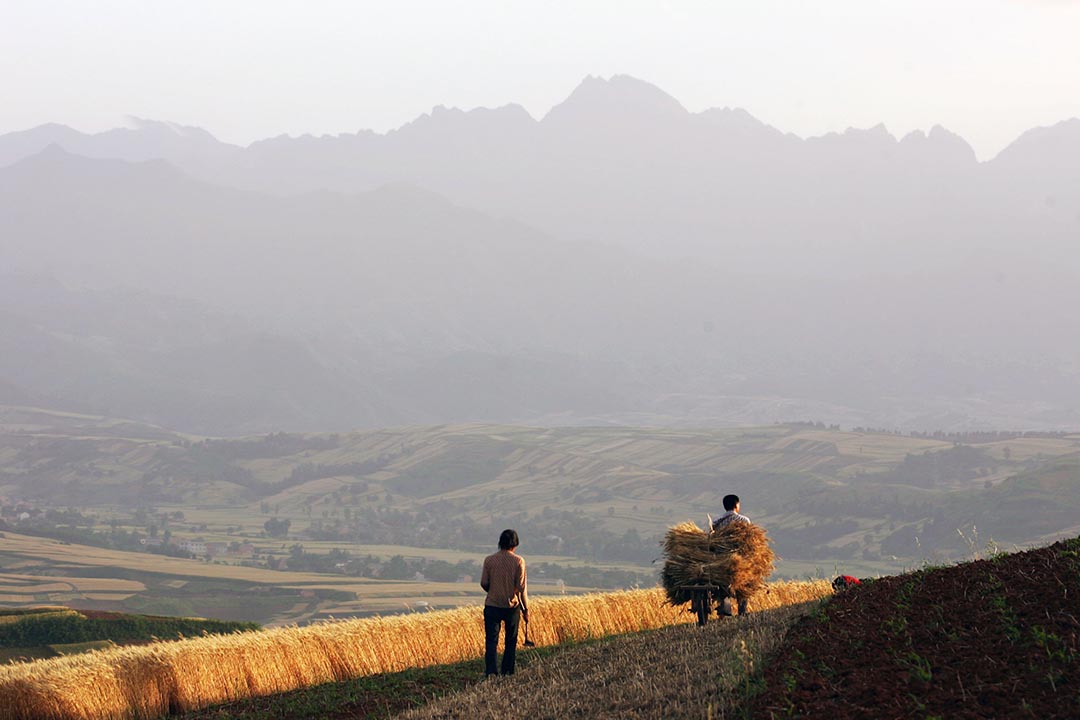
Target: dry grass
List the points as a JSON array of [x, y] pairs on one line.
[[149, 681], [81, 647], [736, 556], [677, 672]]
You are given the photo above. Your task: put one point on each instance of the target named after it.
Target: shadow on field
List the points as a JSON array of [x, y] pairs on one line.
[[374, 696], [681, 671]]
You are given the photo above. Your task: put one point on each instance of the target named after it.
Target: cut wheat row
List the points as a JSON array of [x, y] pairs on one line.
[[154, 680]]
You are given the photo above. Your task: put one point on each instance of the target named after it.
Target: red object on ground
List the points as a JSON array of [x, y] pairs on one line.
[[844, 582]]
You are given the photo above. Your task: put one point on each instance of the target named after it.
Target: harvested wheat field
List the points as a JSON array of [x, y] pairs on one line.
[[677, 672], [153, 680], [991, 638]]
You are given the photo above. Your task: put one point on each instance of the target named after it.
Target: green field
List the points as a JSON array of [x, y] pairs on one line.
[[43, 632]]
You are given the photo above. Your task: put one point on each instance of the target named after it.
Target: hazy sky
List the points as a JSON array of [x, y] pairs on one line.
[[987, 69]]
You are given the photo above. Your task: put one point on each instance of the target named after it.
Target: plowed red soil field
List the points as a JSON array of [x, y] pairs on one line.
[[996, 638]]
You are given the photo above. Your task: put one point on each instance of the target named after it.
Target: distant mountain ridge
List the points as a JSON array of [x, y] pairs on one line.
[[620, 260], [621, 97], [624, 162], [613, 145]]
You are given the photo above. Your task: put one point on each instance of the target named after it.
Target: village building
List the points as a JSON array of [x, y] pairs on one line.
[[195, 547]]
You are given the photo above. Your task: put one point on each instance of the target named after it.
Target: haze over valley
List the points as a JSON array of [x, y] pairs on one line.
[[619, 261]]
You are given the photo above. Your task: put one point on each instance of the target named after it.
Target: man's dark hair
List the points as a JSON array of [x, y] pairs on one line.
[[730, 501], [508, 540]]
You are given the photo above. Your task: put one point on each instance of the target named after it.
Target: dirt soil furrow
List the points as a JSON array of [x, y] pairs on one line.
[[991, 638]]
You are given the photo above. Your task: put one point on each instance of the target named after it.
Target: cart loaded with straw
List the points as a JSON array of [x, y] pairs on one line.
[[702, 567]]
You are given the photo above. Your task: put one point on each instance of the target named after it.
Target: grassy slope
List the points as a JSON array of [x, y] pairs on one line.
[[983, 639], [682, 671]]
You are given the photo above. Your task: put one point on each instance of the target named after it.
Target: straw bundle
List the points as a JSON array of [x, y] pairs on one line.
[[737, 557]]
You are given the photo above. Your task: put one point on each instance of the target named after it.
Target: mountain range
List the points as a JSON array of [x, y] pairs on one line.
[[620, 260]]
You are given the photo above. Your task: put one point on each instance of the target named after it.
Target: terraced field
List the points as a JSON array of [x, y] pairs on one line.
[[90, 577]]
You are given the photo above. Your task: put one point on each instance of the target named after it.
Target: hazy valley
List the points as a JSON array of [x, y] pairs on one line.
[[620, 261]]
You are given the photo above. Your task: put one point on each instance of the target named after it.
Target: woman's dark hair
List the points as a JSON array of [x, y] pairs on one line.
[[508, 540]]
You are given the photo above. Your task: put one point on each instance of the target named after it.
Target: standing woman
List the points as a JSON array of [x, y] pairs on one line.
[[507, 602]]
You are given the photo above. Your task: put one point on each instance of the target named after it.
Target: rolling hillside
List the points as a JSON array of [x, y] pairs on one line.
[[44, 632], [867, 500]]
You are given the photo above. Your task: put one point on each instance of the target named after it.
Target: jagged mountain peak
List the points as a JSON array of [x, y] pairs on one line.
[[940, 145], [168, 129], [735, 114], [56, 161], [52, 127], [52, 157], [20, 144], [1057, 144], [620, 96], [455, 119], [140, 139], [877, 137], [735, 120], [877, 131]]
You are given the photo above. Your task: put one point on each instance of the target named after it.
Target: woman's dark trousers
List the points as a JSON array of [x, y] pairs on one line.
[[494, 617]]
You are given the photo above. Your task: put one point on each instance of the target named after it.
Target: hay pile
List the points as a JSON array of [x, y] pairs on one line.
[[737, 556]]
